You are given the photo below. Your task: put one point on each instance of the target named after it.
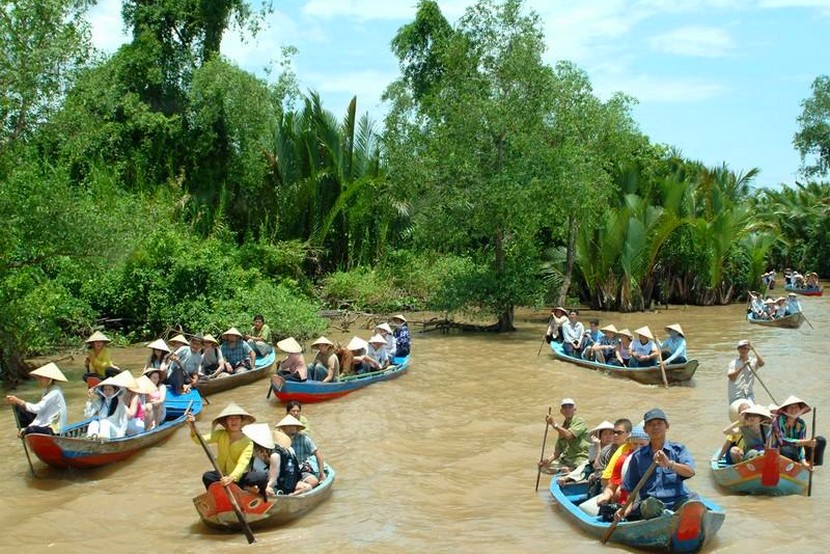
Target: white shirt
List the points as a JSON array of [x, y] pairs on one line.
[[51, 410], [572, 332], [741, 387]]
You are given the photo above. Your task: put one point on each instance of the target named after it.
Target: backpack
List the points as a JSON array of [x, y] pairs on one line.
[[289, 471]]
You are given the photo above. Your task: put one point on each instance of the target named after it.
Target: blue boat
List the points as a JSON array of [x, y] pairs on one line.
[[789, 477], [686, 530], [316, 391], [675, 373], [806, 291]]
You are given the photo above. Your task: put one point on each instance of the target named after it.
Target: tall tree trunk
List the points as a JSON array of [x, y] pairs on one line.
[[505, 322], [569, 261]]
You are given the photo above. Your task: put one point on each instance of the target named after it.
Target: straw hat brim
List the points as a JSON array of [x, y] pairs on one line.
[[290, 421], [605, 425], [644, 331], [625, 333], [260, 434], [180, 339], [677, 328], [232, 332], [609, 329], [322, 340], [791, 400], [159, 344], [384, 326], [98, 336], [233, 410], [377, 339], [211, 339], [290, 345], [399, 317], [50, 371]]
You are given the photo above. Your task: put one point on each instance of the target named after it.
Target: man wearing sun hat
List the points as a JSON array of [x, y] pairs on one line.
[[572, 441], [673, 348], [793, 305], [606, 346], [741, 373], [403, 338], [185, 365], [666, 486], [48, 415], [238, 354], [644, 351], [325, 367]]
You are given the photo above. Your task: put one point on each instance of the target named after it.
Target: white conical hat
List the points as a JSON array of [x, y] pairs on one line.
[[676, 327], [281, 438], [789, 402], [609, 328], [232, 331], [384, 326], [322, 340], [50, 371], [233, 409], [211, 339], [625, 333], [377, 339], [179, 339], [290, 345], [260, 434], [98, 336], [645, 331], [159, 344], [124, 379], [399, 316], [602, 427], [143, 385], [289, 421], [357, 343]]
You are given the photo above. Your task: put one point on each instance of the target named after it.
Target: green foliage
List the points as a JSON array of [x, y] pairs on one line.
[[813, 137]]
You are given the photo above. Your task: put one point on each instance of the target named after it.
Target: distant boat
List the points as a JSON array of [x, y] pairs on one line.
[[72, 448], [317, 391], [806, 291], [790, 477], [685, 530], [260, 370], [792, 321], [675, 373], [216, 510]]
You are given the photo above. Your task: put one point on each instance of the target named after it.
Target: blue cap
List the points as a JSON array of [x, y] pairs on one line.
[[638, 433], [654, 413]]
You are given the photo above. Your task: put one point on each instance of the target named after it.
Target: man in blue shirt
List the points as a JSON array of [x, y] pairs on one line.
[[665, 487]]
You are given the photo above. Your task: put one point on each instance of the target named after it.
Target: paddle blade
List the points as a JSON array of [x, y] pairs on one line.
[[769, 469]]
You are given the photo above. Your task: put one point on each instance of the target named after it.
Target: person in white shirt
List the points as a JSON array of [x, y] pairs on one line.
[[48, 416], [573, 334]]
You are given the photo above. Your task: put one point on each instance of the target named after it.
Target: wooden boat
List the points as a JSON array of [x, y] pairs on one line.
[[675, 373], [216, 511], [261, 369], [315, 391], [683, 531], [806, 291], [792, 321], [72, 448], [745, 477]]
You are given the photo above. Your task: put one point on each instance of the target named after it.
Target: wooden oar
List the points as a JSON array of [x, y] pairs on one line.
[[662, 363], [239, 515], [812, 457], [807, 320], [763, 385], [544, 336], [631, 497], [542, 455], [26, 448]]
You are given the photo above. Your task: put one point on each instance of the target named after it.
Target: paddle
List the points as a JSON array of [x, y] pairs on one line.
[[628, 502], [29, 459], [807, 320], [752, 346], [542, 455], [812, 457], [662, 363], [543, 338], [239, 515]]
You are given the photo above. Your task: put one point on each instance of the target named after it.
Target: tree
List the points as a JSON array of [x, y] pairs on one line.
[[42, 43], [813, 138]]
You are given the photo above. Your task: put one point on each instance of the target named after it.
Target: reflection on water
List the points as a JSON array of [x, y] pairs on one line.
[[442, 459]]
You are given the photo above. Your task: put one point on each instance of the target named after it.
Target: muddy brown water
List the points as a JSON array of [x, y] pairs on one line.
[[441, 459]]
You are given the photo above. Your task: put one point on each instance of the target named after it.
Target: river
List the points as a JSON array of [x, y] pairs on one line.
[[441, 459]]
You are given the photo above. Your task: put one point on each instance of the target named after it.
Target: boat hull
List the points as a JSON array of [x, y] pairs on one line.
[[216, 511], [315, 391], [71, 448], [262, 368], [745, 477], [805, 291], [675, 373], [686, 530], [793, 321]]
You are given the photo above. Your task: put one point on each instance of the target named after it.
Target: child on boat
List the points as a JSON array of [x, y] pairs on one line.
[[48, 416], [274, 466], [748, 437]]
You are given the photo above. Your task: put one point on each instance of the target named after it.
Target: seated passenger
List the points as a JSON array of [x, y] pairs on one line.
[[358, 348], [98, 363], [154, 408], [184, 365], [790, 432], [274, 467], [345, 359], [135, 400], [48, 415], [158, 356], [644, 352], [325, 366], [747, 439], [238, 354], [605, 348], [403, 339], [259, 338], [385, 331], [573, 334], [602, 437], [107, 408], [812, 281], [613, 494], [376, 355], [293, 367], [592, 337], [213, 361], [622, 355], [674, 348], [305, 448], [793, 305], [295, 409], [558, 317], [572, 441], [780, 307], [234, 449]]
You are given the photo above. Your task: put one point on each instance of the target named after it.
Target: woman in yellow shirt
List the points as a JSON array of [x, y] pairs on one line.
[[98, 362], [234, 449]]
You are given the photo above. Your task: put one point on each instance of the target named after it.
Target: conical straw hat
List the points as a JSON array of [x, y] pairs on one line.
[[377, 339], [789, 402], [144, 386], [384, 326], [645, 331], [290, 345], [676, 327], [322, 340], [50, 371], [159, 344], [233, 409], [758, 409], [625, 332], [98, 336], [609, 328], [601, 427], [357, 343], [289, 421], [211, 339], [179, 339], [399, 316], [260, 434], [232, 331], [282, 439], [124, 379]]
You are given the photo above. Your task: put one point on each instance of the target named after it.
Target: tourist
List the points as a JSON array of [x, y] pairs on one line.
[[234, 449], [614, 494], [158, 356], [135, 400], [154, 409], [573, 334], [48, 415], [305, 449], [749, 439], [325, 367], [622, 355], [793, 305], [790, 432], [107, 408], [403, 339], [606, 347], [259, 338], [385, 331], [293, 367], [558, 317], [295, 408], [274, 467], [666, 486], [185, 365], [358, 348], [238, 354], [644, 351], [572, 441], [780, 308], [602, 441], [741, 374], [98, 363], [376, 356], [592, 338], [213, 361], [673, 349]]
